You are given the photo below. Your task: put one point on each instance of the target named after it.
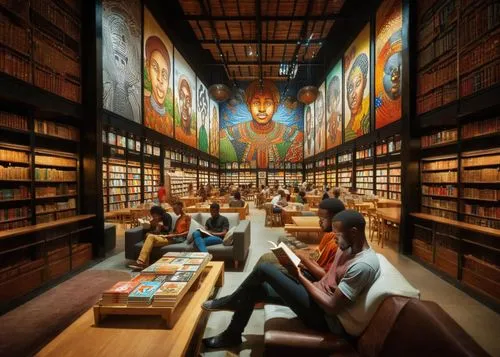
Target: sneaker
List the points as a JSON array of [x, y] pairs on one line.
[[136, 267], [225, 339], [225, 303]]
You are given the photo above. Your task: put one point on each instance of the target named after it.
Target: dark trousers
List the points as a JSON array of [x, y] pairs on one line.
[[268, 284]]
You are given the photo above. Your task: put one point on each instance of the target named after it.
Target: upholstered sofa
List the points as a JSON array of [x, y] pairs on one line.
[[399, 325], [134, 239]]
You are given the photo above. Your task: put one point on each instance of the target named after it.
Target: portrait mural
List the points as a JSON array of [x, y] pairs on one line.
[[309, 130], [185, 101], [214, 128], [158, 78], [203, 116], [388, 62], [257, 127], [357, 86], [319, 120], [121, 58], [334, 107]]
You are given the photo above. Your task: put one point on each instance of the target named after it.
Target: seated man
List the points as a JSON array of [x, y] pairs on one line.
[[216, 225], [317, 304], [237, 201], [178, 235], [318, 261], [301, 198], [336, 192], [279, 201]]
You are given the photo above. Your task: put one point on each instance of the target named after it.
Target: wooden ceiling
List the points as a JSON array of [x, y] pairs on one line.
[[253, 37]]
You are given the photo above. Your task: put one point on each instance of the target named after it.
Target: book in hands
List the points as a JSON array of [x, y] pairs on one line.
[[285, 256], [204, 231]]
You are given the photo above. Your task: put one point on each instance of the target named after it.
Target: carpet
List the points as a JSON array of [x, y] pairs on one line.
[[29, 327]]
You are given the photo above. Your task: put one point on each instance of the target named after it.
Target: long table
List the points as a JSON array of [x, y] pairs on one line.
[[242, 211], [122, 336], [392, 214]]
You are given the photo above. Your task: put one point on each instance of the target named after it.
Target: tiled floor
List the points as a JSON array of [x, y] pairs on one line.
[[479, 321]]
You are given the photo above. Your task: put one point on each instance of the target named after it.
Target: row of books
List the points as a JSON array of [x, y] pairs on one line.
[[483, 211], [51, 128], [15, 224], [14, 36], [437, 23], [440, 213], [162, 284], [45, 218], [117, 198], [438, 203], [441, 137], [481, 175], [14, 156], [482, 194], [7, 214], [438, 177], [21, 192], [57, 206], [14, 173], [57, 84], [13, 121], [59, 190], [436, 77], [49, 10], [436, 49], [485, 77], [479, 128], [46, 174], [440, 165], [14, 65], [47, 54], [483, 222], [481, 160], [485, 52], [476, 23], [445, 190], [54, 161], [439, 97]]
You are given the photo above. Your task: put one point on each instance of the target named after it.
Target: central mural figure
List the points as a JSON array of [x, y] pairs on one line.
[[261, 139]]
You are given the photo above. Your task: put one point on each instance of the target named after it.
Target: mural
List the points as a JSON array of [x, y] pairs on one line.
[[214, 128], [334, 107], [185, 101], [257, 127], [388, 47], [357, 86], [158, 78], [309, 130], [203, 116], [319, 120], [121, 59]]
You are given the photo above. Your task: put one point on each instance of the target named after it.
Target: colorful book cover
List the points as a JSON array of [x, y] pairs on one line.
[[201, 255], [122, 287], [145, 289], [189, 268], [170, 289], [182, 276], [196, 261], [160, 278], [172, 254], [139, 278], [167, 268], [180, 261], [166, 260]]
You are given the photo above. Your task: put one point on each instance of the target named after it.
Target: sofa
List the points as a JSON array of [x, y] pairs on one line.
[[399, 324], [134, 239]]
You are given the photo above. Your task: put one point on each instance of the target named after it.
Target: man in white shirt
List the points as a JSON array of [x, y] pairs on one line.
[[279, 201]]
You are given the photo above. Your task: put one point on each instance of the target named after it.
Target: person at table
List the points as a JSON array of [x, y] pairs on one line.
[[216, 227], [301, 198], [161, 239], [279, 201], [336, 192], [317, 304], [202, 193], [161, 222], [162, 193], [237, 201], [190, 190]]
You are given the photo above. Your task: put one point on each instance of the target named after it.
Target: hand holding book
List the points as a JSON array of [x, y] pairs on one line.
[[286, 257]]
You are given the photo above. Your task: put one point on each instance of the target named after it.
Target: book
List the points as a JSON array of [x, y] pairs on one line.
[[285, 256], [182, 276], [192, 268], [143, 293], [180, 261], [195, 261], [172, 254], [160, 278], [118, 293], [160, 268], [169, 294], [197, 255]]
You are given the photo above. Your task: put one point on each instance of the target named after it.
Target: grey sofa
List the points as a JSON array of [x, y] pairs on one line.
[[134, 239]]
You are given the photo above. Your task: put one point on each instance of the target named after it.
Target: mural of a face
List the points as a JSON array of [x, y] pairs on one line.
[[356, 83], [120, 48], [262, 106], [203, 104], [320, 108], [158, 70], [185, 99], [334, 94], [392, 76]]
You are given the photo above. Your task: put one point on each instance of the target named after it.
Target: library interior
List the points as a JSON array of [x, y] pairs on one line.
[[250, 177]]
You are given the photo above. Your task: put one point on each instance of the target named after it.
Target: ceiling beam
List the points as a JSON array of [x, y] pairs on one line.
[[263, 18], [264, 42]]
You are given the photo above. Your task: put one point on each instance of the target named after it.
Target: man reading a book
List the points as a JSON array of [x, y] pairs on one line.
[[279, 201], [216, 228], [323, 305], [163, 238]]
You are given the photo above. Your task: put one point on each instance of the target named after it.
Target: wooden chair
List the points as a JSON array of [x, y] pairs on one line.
[[350, 203], [373, 224], [272, 219]]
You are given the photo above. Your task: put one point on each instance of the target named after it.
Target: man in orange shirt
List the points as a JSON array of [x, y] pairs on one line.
[[178, 235]]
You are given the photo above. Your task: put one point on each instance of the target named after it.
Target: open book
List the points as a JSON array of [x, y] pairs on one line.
[[204, 231], [285, 256]]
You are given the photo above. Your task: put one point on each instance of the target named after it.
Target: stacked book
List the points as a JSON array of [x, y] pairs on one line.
[[118, 294], [143, 293]]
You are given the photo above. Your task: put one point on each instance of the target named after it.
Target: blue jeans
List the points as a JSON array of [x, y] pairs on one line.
[[203, 242]]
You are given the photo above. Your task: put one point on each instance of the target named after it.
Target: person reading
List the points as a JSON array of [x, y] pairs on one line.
[[318, 304], [237, 201], [163, 238], [279, 201], [216, 228], [301, 198]]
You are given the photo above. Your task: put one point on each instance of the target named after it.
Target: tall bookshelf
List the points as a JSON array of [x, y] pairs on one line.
[[310, 172], [177, 183], [364, 170], [275, 176], [331, 172], [344, 171], [293, 177]]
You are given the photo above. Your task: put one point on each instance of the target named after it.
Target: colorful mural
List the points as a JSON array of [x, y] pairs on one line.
[[357, 86], [388, 47], [257, 127], [319, 121], [214, 128], [121, 59], [334, 107], [203, 116], [158, 77], [309, 130], [185, 101]]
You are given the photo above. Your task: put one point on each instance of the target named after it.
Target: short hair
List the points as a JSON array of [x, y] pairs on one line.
[[336, 192], [179, 203], [215, 205], [154, 43], [157, 210], [332, 205], [350, 219], [184, 83], [362, 63], [281, 192], [237, 195], [255, 87], [333, 90]]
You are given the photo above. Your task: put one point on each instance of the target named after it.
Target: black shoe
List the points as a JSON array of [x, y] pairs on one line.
[[225, 303], [224, 339]]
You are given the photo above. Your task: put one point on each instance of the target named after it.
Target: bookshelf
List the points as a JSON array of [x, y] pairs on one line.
[[364, 170], [331, 172], [214, 179], [152, 177], [247, 177], [134, 178], [203, 178], [394, 189], [117, 184], [344, 171], [177, 183], [293, 177], [276, 177]]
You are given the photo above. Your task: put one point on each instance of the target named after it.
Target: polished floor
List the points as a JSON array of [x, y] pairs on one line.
[[478, 320]]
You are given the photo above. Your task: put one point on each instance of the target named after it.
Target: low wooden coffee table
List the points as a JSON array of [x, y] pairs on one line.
[[140, 335]]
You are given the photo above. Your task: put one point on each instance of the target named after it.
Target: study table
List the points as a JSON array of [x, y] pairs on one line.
[[392, 214], [224, 208]]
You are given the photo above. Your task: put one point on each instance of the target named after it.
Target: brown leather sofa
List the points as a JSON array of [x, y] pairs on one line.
[[401, 327]]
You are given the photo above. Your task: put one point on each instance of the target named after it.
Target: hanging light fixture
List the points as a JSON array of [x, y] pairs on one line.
[[219, 92], [307, 94]]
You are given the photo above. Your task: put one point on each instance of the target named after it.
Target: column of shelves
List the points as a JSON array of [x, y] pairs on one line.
[[134, 176], [394, 188], [151, 180], [203, 178], [344, 170], [274, 177], [247, 177], [105, 183], [364, 179], [331, 173], [214, 179], [381, 180], [293, 177], [117, 184]]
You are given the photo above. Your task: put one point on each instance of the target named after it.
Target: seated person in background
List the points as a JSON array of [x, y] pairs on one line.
[[237, 201], [317, 304], [216, 225], [301, 198], [316, 261], [202, 193], [161, 239], [279, 201], [190, 190], [336, 192], [161, 222]]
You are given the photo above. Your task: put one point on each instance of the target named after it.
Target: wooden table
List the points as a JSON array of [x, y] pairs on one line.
[[362, 206], [142, 335], [290, 211], [304, 225], [242, 211], [190, 200], [392, 214], [384, 203]]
